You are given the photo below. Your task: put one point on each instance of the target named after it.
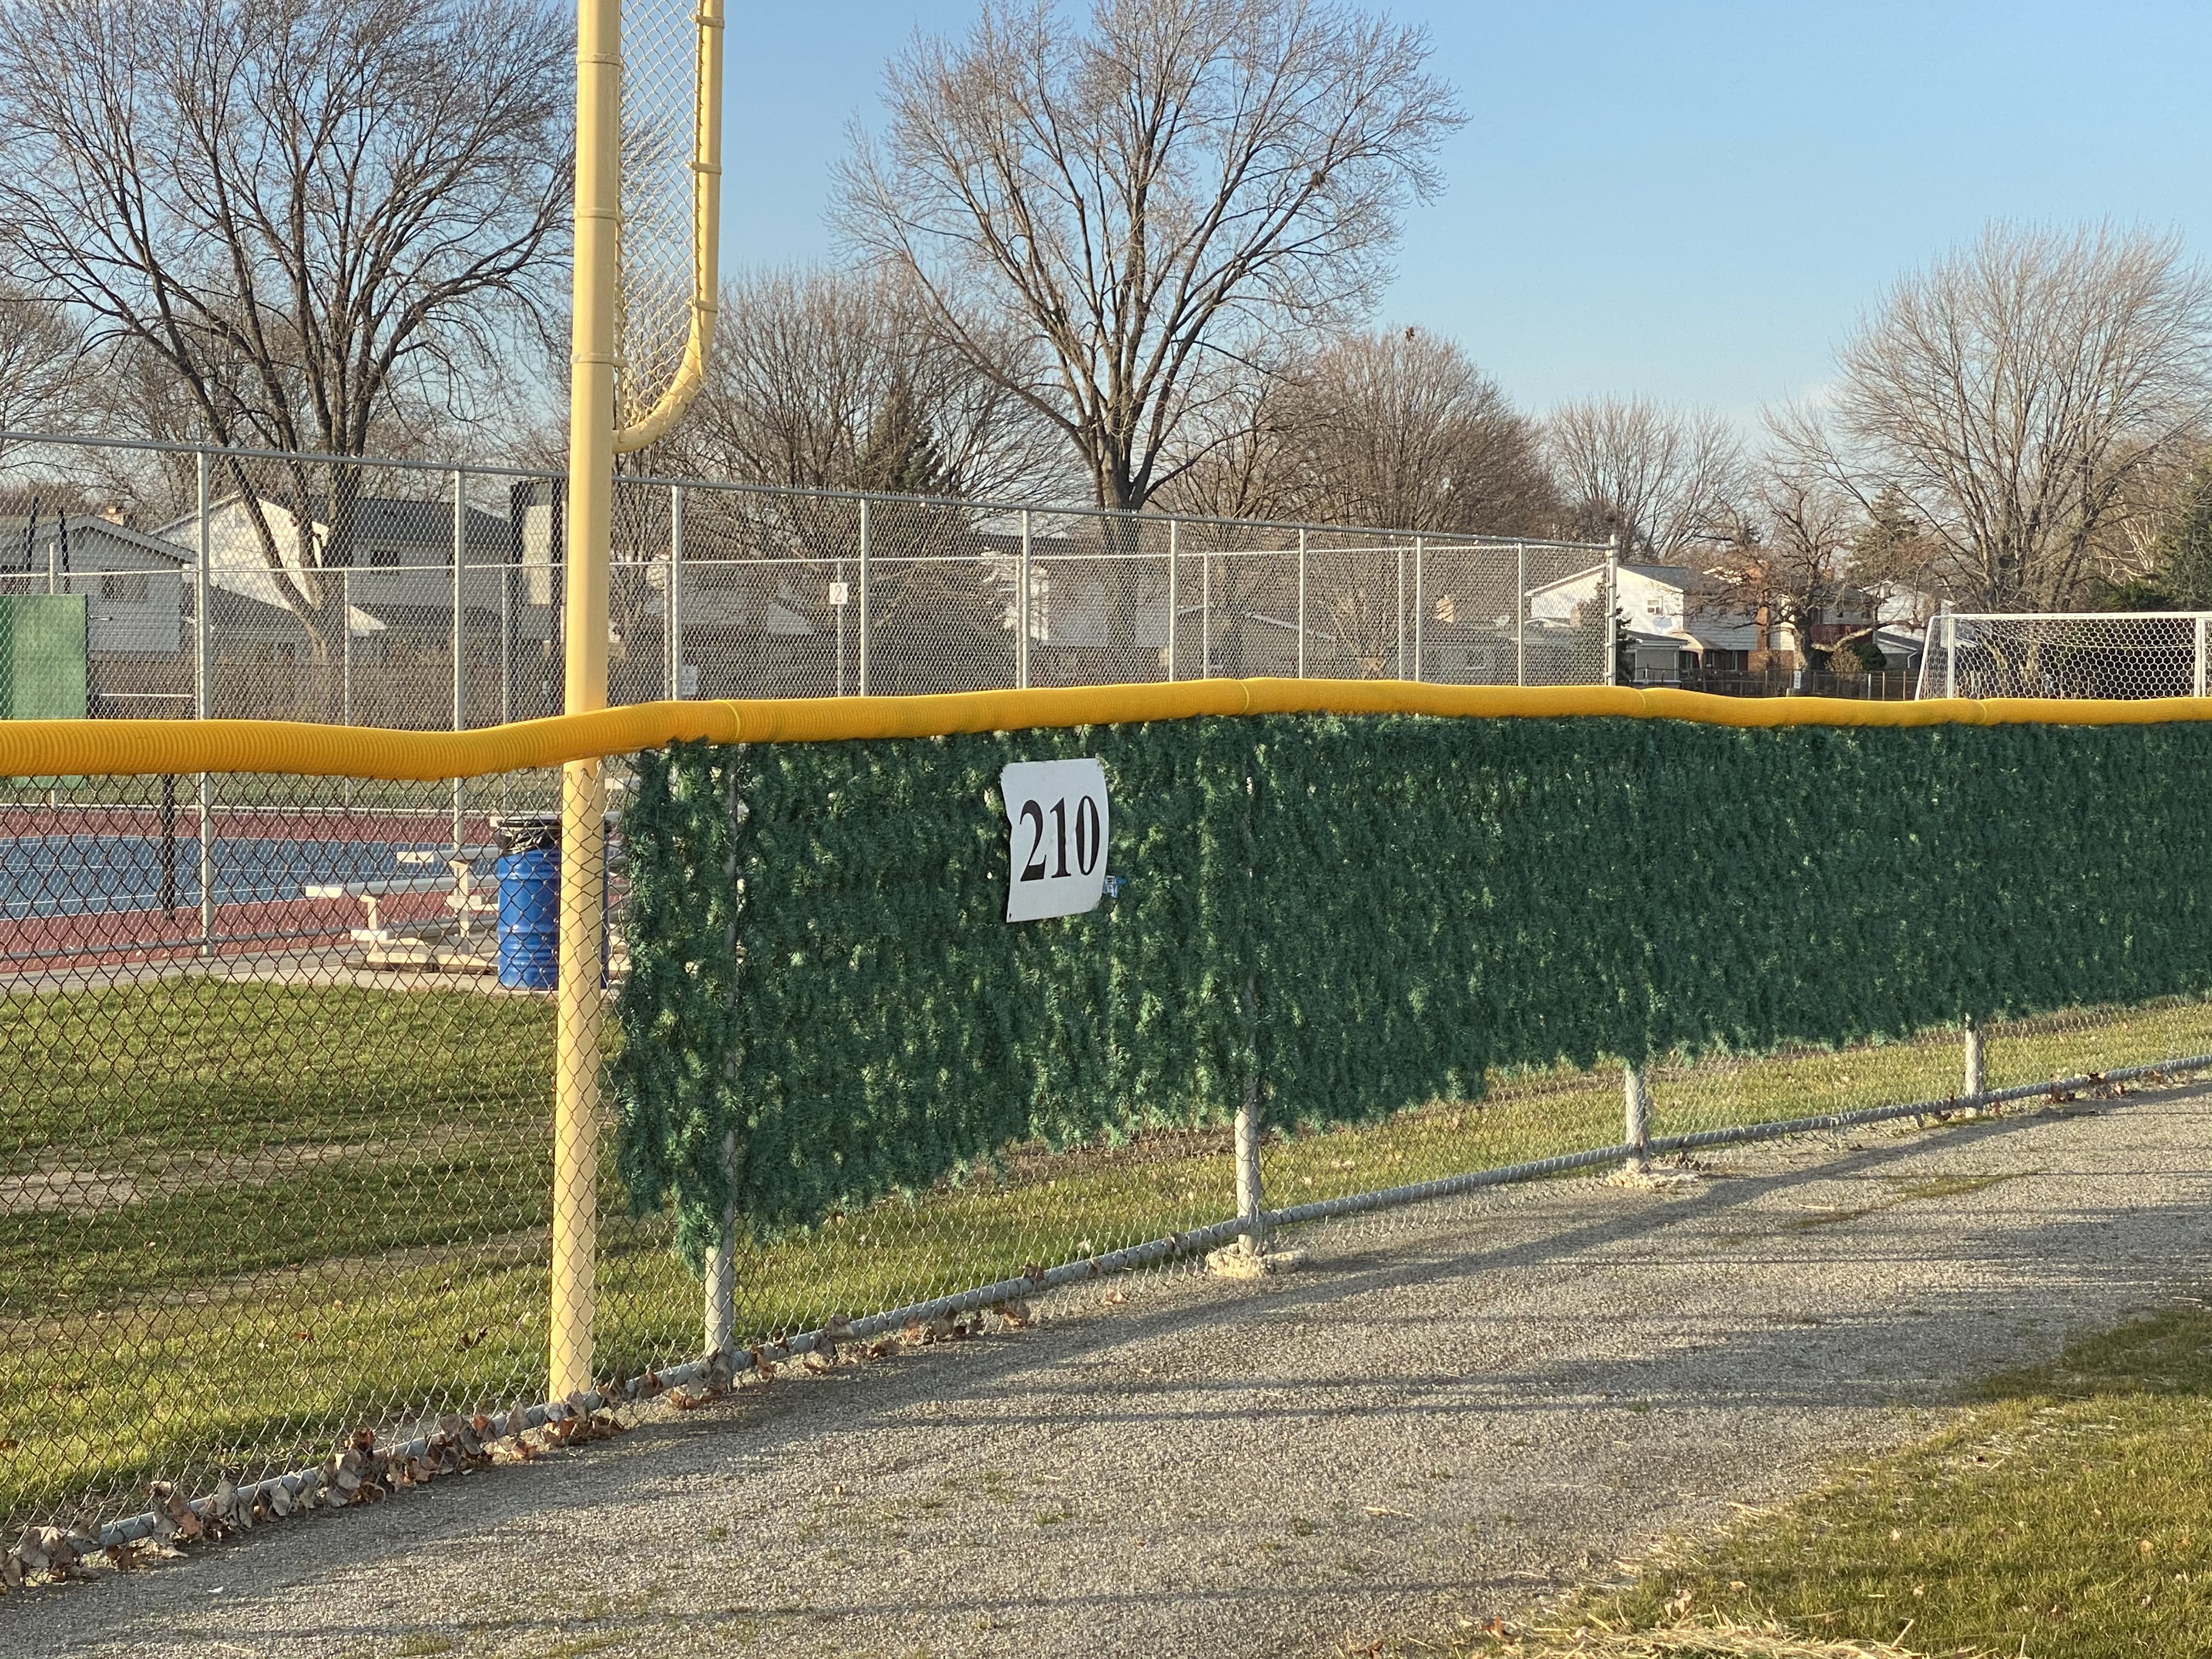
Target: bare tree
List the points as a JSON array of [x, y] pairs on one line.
[[1665, 481], [1396, 429], [1180, 176], [808, 364], [829, 380], [1788, 557], [41, 355], [1399, 428], [1247, 458], [2013, 394], [319, 216]]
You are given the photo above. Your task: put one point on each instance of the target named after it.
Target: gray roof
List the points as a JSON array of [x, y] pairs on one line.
[[1673, 575], [19, 533], [385, 522]]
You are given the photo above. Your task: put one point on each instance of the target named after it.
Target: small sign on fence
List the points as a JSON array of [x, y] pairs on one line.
[[1056, 838]]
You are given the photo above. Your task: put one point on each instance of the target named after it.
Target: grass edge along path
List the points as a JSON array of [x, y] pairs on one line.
[[190, 1372], [2062, 1515]]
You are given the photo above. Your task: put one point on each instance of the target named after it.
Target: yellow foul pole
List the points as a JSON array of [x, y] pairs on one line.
[[581, 1012]]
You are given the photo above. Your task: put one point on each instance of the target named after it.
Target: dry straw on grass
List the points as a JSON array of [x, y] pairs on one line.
[[1720, 1638]]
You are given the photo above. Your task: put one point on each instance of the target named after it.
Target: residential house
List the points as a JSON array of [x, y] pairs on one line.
[[1676, 621], [393, 573], [396, 560], [1682, 623], [139, 615], [133, 583]]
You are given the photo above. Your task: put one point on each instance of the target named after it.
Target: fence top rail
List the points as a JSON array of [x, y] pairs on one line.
[[220, 453], [1432, 540], [1436, 541], [47, 749], [2078, 616]]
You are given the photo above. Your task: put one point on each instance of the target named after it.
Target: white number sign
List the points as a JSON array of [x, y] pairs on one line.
[[1056, 836]]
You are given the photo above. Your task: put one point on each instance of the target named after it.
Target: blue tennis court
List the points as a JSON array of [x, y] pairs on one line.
[[71, 875]]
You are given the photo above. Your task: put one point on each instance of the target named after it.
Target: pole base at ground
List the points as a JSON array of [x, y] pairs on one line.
[[1236, 1262]]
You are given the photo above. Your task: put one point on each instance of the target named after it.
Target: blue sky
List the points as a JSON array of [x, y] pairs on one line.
[[1692, 202]]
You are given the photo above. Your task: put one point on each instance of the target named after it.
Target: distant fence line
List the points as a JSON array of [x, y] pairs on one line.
[[2103, 654], [405, 593]]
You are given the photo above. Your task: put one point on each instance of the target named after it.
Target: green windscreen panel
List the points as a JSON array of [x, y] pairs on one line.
[[42, 651]]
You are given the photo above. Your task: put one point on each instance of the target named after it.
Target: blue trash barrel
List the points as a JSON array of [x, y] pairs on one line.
[[530, 919], [529, 871]]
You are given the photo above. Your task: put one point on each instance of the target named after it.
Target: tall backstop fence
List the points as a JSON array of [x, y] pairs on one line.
[[277, 1047], [242, 584]]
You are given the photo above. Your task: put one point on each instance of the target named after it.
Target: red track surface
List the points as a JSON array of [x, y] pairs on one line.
[[127, 938], [116, 939]]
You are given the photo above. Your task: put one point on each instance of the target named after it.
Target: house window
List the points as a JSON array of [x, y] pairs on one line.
[[126, 587]]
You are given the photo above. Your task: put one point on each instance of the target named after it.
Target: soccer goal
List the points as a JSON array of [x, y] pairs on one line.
[[2123, 653]]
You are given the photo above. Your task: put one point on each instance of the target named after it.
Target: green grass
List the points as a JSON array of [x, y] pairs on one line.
[[143, 1077], [271, 1212], [2066, 1516]]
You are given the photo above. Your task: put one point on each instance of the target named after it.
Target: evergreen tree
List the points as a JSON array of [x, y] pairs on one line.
[[900, 456], [1893, 545], [940, 614]]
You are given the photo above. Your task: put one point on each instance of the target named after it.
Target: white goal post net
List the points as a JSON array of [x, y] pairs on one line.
[[2128, 654]]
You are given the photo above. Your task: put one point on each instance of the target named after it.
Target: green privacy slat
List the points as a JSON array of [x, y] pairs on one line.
[[1366, 913], [42, 656]]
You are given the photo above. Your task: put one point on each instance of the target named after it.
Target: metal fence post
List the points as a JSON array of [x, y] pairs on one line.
[[1250, 1199], [460, 569], [1521, 614], [1022, 611], [1206, 616], [1398, 661], [1971, 1077], [507, 634], [1175, 590], [721, 1288], [1301, 603], [202, 661], [720, 1331], [1612, 597], [1636, 1127], [460, 640], [345, 647], [203, 692], [1420, 604], [861, 620], [838, 609], [672, 611]]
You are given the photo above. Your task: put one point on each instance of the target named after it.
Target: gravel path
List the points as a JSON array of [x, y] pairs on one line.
[[1444, 1412]]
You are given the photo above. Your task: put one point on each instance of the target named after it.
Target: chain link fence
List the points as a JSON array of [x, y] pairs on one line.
[[275, 1051], [221, 583], [275, 1059], [2092, 654]]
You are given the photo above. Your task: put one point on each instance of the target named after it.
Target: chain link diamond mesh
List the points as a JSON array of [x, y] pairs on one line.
[[658, 264], [276, 1060], [330, 592], [2143, 654], [272, 1141]]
